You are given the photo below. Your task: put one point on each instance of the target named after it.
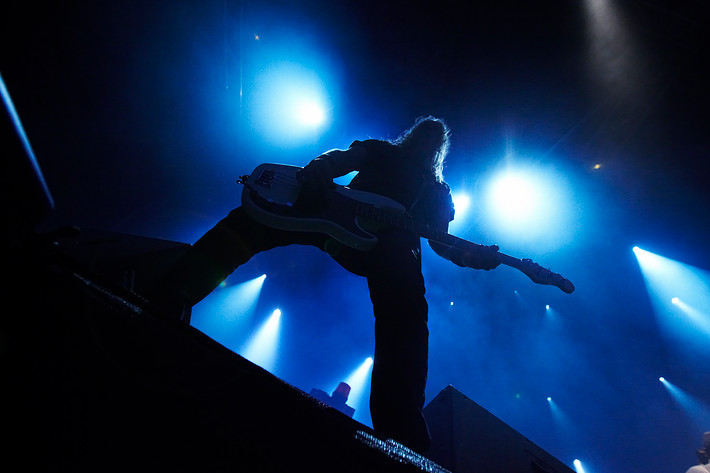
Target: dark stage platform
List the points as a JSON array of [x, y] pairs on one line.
[[98, 382]]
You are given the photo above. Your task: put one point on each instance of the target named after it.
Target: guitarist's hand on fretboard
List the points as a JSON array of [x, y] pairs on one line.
[[481, 257], [471, 256]]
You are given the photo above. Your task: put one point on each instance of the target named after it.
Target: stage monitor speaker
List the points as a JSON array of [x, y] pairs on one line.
[[469, 439]]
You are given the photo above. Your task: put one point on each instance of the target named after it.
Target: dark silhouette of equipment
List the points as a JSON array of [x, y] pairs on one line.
[[468, 438], [337, 400]]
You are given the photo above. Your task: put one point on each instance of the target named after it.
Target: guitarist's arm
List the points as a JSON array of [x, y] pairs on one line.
[[321, 171], [476, 257], [344, 161], [435, 206]]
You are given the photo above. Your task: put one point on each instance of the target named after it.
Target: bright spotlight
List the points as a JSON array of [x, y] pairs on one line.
[[699, 318], [461, 204], [578, 466], [687, 288], [218, 314], [262, 347], [289, 104], [358, 381], [529, 204], [515, 196], [310, 113], [662, 379], [695, 409]]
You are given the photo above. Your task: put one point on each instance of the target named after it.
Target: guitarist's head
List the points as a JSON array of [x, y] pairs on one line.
[[427, 141]]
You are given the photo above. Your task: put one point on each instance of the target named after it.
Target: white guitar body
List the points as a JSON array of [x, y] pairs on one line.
[[271, 197]]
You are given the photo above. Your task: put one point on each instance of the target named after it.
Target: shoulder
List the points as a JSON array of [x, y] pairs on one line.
[[441, 190], [435, 204], [443, 187], [446, 200], [373, 146]]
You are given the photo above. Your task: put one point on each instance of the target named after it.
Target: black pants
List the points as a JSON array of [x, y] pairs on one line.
[[393, 272]]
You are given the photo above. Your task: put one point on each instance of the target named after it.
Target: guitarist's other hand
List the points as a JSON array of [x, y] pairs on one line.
[[317, 180], [480, 257], [317, 175]]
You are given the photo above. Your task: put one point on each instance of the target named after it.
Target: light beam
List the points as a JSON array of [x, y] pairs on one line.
[[222, 312], [262, 348], [526, 203], [680, 295], [359, 382], [696, 411], [578, 465]]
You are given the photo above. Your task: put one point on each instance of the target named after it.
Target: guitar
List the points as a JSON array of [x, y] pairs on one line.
[[271, 196]]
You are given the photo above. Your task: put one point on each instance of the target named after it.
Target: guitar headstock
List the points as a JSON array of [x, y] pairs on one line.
[[541, 275]]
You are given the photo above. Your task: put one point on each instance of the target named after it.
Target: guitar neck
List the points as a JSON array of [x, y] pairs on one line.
[[409, 224], [533, 270]]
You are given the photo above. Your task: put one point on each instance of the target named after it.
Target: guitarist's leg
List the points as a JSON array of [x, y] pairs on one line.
[[208, 262], [401, 341]]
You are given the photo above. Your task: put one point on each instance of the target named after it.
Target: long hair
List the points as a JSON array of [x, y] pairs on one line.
[[427, 141]]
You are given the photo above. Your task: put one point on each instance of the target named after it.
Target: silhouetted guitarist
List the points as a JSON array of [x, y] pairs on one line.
[[407, 170]]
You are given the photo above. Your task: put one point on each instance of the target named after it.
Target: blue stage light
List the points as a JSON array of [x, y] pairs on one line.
[[529, 204], [578, 466], [515, 197], [289, 105], [222, 312], [561, 421], [262, 348], [696, 411], [358, 381], [461, 203], [680, 295], [309, 113]]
